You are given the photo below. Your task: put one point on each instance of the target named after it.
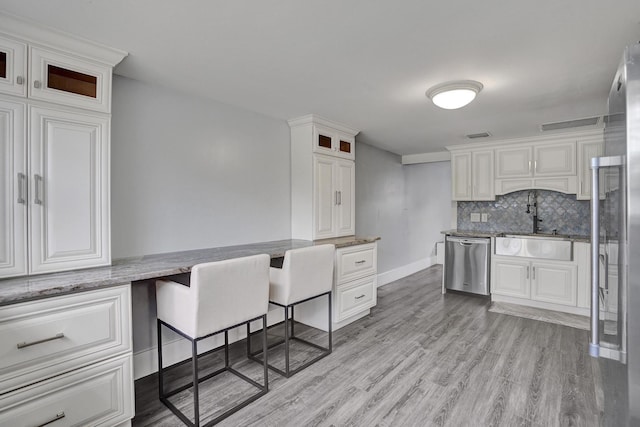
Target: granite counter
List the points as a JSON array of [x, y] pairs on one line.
[[19, 289]]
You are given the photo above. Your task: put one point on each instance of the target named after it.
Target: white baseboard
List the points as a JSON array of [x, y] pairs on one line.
[[405, 270]]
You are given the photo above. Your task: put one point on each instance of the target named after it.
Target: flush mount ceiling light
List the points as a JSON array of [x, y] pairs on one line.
[[453, 95]]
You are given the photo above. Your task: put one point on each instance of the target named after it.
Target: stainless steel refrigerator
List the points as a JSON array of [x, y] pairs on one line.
[[615, 258]]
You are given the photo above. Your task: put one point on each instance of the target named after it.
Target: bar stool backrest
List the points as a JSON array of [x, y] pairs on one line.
[[229, 292], [306, 272]]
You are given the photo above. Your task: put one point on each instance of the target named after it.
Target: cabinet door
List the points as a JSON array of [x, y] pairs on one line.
[[323, 140], [586, 151], [345, 186], [13, 67], [325, 198], [511, 277], [554, 283], [557, 159], [461, 176], [13, 190], [482, 175], [67, 80], [69, 198], [514, 162]]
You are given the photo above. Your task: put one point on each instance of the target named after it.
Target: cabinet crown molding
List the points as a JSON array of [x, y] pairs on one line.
[[317, 120], [552, 137], [39, 34]]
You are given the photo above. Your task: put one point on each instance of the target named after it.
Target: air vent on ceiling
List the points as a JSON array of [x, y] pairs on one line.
[[589, 121], [478, 135]]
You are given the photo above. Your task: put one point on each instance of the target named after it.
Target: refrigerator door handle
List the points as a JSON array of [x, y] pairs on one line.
[[594, 344], [596, 164]]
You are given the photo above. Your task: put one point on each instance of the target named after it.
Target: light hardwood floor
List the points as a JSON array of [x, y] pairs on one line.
[[420, 359]]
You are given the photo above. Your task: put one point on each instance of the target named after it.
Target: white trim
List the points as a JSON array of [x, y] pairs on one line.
[[440, 156], [546, 137], [405, 270], [40, 34], [314, 119], [539, 304]]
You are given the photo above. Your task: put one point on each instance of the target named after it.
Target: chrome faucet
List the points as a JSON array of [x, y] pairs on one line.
[[532, 207]]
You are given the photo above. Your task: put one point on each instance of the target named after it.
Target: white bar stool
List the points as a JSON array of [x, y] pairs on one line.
[[306, 274], [221, 296]]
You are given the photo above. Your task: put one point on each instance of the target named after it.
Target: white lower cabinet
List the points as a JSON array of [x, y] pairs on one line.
[[69, 358], [355, 284], [538, 282], [98, 395], [555, 283]]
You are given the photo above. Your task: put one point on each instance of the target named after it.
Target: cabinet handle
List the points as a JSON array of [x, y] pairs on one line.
[[38, 183], [20, 80], [59, 416], [37, 84], [535, 166], [335, 202], [360, 297], [362, 261], [29, 344], [533, 273], [527, 272], [529, 165], [21, 188], [339, 197]]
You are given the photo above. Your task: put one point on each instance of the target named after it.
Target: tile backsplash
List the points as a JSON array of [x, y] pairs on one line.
[[508, 214]]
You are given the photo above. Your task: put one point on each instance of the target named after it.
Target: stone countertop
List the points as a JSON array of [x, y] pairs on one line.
[[146, 267], [463, 233]]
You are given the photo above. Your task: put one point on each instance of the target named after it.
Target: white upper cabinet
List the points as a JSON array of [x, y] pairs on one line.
[[13, 67], [472, 175], [587, 149], [55, 100], [333, 143], [322, 178], [69, 200], [60, 78], [514, 162], [536, 160], [13, 189]]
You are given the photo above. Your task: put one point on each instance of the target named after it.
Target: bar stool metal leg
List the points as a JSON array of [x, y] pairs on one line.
[[196, 397]]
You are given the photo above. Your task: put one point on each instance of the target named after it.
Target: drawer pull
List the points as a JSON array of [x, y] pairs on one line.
[[28, 344], [53, 420], [361, 296], [362, 261]]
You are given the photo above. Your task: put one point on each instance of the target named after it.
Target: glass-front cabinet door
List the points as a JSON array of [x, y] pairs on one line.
[[13, 67], [333, 143], [56, 77]]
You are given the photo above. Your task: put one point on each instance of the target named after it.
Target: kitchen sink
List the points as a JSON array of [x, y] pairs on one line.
[[555, 247]]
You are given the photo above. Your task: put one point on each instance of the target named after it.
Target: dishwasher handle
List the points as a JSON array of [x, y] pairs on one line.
[[468, 241]]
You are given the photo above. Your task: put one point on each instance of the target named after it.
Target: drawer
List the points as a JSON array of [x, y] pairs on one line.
[[355, 297], [355, 262], [99, 395], [51, 336]]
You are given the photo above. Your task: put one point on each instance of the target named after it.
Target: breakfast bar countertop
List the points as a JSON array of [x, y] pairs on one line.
[[126, 270]]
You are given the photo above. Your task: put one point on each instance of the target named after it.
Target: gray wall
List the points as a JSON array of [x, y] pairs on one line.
[[428, 192], [189, 173], [407, 206]]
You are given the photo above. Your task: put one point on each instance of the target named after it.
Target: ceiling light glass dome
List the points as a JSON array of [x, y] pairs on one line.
[[453, 95]]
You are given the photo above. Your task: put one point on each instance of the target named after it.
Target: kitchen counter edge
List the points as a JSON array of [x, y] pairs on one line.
[[26, 288]]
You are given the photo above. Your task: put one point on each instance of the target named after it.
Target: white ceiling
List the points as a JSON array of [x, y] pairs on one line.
[[368, 63]]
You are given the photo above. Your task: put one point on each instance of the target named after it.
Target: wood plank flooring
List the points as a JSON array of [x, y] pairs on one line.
[[420, 359]]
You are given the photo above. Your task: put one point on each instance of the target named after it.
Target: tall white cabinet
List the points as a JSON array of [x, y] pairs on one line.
[[55, 104], [322, 178]]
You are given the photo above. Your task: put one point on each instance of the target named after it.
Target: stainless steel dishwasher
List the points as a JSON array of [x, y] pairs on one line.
[[466, 264]]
